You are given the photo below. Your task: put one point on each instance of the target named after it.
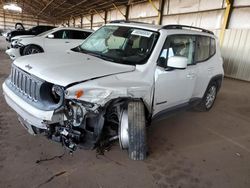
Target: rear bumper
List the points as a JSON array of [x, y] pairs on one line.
[[28, 113]]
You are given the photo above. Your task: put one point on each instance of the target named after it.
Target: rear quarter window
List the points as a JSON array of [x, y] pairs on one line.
[[202, 48], [205, 48], [212, 47]]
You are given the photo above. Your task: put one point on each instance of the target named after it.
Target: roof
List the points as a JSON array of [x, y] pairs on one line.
[[152, 27], [138, 25], [74, 28]]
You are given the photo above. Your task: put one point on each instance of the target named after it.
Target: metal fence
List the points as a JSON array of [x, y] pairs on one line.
[[236, 53]]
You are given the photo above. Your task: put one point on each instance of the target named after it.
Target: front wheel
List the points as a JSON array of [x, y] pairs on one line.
[[132, 130], [31, 49]]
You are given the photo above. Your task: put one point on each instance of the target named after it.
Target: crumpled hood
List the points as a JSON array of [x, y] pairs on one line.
[[68, 67]]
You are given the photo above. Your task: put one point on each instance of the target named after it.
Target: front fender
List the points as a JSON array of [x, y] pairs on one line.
[[100, 91]]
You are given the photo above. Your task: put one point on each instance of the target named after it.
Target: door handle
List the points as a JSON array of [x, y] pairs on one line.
[[67, 42], [210, 69], [191, 75]]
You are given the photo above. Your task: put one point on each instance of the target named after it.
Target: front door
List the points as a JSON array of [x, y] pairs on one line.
[[60, 42], [174, 87]]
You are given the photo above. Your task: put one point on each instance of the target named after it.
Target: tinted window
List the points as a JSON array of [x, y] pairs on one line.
[[43, 28], [178, 45], [40, 29], [202, 48], [62, 34], [79, 34], [34, 29], [212, 47]]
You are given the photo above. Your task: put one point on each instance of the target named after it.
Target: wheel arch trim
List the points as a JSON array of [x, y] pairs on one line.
[[22, 49]]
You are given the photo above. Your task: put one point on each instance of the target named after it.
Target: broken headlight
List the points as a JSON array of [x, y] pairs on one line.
[[76, 113]]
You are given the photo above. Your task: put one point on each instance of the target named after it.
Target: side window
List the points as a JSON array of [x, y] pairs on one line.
[[212, 46], [43, 29], [78, 34], [62, 34], [178, 45], [34, 30], [202, 48], [86, 34]]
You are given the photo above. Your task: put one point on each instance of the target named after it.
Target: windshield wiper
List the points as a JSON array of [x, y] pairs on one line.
[[103, 57], [95, 54]]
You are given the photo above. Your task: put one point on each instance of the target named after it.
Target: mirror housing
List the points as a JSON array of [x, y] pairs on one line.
[[50, 36], [162, 62], [177, 62]]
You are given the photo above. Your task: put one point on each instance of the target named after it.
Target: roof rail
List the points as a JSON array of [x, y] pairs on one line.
[[187, 27], [127, 21]]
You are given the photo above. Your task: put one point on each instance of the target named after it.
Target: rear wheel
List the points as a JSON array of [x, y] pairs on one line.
[[208, 100], [132, 130], [31, 49]]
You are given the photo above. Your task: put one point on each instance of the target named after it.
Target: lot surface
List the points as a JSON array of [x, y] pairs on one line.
[[186, 150]]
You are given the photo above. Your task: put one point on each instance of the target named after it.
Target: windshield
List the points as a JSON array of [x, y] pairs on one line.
[[120, 44]]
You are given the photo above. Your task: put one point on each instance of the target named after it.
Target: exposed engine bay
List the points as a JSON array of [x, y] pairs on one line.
[[86, 126]]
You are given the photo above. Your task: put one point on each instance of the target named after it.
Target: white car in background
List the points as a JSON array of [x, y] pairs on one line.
[[58, 39]]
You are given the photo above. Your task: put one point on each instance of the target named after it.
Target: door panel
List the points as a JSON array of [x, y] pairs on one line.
[[174, 87], [60, 42], [54, 45], [64, 40], [206, 61]]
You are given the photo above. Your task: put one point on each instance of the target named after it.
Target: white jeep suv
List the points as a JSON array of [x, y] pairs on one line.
[[115, 83]]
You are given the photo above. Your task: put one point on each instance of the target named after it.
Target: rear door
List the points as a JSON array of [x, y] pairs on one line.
[[175, 87], [206, 63]]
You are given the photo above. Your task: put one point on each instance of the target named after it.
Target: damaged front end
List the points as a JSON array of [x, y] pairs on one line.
[[81, 115], [45, 108], [81, 126], [88, 118]]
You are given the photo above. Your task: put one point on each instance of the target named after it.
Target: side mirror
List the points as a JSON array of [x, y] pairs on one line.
[[177, 62], [50, 36]]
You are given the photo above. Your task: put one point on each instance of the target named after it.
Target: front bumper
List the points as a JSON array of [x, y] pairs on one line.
[[28, 113], [13, 53]]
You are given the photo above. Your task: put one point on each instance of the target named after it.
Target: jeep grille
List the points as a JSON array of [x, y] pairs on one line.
[[33, 90], [25, 83]]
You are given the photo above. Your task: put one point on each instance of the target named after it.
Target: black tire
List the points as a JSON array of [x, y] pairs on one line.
[[31, 49], [137, 147], [203, 105]]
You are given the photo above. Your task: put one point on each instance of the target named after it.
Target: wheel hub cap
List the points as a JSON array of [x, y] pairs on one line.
[[123, 130], [210, 96]]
